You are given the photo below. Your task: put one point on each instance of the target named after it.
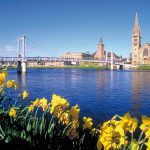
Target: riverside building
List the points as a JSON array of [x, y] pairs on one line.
[[140, 53], [77, 55], [99, 54]]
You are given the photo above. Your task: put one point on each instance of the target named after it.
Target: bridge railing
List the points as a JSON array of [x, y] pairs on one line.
[[59, 59]]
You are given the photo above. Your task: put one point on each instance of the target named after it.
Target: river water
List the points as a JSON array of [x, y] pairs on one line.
[[99, 94]]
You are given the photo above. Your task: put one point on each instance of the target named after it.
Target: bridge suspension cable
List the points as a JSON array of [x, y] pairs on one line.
[[39, 47]]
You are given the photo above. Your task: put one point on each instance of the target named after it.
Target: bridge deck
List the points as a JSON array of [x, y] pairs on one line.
[[55, 59]]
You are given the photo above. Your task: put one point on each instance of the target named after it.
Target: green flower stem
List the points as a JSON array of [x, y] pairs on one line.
[[138, 143], [16, 100], [143, 141], [36, 112], [63, 133], [74, 126], [35, 118], [3, 134], [9, 98]]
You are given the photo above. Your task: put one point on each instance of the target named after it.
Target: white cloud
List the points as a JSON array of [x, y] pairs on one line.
[[10, 48]]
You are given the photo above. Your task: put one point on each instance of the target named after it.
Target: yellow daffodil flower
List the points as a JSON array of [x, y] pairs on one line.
[[129, 123], [112, 135], [64, 118], [148, 144], [4, 71], [31, 108], [37, 102], [134, 145], [147, 133], [12, 112], [2, 79], [25, 94], [146, 120], [133, 125], [87, 122], [58, 104], [74, 112], [43, 103], [145, 126], [99, 145], [10, 83]]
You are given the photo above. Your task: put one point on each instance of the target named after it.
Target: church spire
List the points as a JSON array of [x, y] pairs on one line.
[[136, 20], [136, 24], [101, 41], [136, 42]]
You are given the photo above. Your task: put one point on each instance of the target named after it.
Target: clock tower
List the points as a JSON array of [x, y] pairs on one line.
[[100, 50]]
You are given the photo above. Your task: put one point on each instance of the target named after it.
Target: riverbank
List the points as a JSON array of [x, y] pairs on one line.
[[71, 67], [65, 67], [97, 67], [83, 65], [143, 67]]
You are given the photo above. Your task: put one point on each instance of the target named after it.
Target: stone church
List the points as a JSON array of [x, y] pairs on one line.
[[140, 53]]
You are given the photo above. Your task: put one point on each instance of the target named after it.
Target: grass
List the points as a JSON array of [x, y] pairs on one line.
[[144, 67], [71, 67], [83, 65]]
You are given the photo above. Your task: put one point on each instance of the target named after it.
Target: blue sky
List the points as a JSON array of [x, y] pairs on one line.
[[71, 25]]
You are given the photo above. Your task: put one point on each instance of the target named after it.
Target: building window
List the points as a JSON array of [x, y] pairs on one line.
[[135, 44], [145, 52], [135, 40]]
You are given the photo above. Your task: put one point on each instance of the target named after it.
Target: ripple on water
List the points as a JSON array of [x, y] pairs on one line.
[[100, 94]]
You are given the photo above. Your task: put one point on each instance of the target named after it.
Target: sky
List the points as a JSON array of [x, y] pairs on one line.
[[53, 27]]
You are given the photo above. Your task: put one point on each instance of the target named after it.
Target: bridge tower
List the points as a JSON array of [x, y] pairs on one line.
[[21, 66], [111, 60]]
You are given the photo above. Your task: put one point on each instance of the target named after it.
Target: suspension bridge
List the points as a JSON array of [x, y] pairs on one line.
[[23, 57]]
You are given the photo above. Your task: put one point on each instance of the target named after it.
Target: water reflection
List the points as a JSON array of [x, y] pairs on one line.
[[111, 78], [102, 80], [22, 80], [100, 94], [139, 89]]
